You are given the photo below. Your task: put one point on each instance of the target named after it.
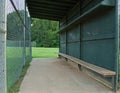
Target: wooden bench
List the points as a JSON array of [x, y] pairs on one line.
[[102, 71]]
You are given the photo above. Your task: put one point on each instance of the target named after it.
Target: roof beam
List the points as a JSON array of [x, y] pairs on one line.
[[43, 17], [57, 3], [48, 12], [45, 14], [61, 1], [47, 7]]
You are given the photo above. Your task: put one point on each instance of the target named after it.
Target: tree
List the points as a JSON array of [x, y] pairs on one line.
[[15, 26], [44, 32]]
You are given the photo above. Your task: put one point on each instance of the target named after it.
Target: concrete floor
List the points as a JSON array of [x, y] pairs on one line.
[[52, 75]]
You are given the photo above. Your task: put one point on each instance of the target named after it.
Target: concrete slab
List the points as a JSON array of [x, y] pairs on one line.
[[52, 75]]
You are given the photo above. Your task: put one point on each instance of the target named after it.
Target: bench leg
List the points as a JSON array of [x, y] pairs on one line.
[[113, 80], [59, 56], [66, 59], [79, 66]]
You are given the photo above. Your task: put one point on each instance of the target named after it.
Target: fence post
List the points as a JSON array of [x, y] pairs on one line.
[[3, 86], [24, 40]]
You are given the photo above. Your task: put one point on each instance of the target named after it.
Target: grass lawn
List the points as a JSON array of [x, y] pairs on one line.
[[40, 52]]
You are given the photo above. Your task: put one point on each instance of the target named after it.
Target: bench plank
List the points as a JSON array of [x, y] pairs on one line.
[[100, 70]]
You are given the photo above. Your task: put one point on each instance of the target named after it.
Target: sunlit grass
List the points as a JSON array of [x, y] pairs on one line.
[[40, 52]]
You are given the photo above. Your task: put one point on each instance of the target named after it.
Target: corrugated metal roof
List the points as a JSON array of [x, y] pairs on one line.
[[50, 9]]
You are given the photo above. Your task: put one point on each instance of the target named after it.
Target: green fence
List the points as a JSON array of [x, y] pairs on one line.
[[18, 47], [88, 32]]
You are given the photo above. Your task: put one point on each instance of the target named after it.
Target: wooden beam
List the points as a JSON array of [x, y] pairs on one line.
[[58, 3], [44, 17], [47, 12], [39, 5]]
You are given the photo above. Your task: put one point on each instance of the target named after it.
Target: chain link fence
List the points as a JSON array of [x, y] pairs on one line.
[[18, 48]]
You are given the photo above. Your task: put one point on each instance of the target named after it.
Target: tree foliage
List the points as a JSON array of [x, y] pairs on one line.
[[44, 32], [15, 26]]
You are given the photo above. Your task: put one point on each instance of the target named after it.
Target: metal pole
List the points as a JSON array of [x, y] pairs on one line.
[[30, 38], [3, 46], [117, 46], [24, 40]]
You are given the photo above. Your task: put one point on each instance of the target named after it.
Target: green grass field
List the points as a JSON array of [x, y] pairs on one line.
[[40, 52]]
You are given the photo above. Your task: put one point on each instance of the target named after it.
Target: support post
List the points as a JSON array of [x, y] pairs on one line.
[[115, 84], [3, 88], [24, 40]]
